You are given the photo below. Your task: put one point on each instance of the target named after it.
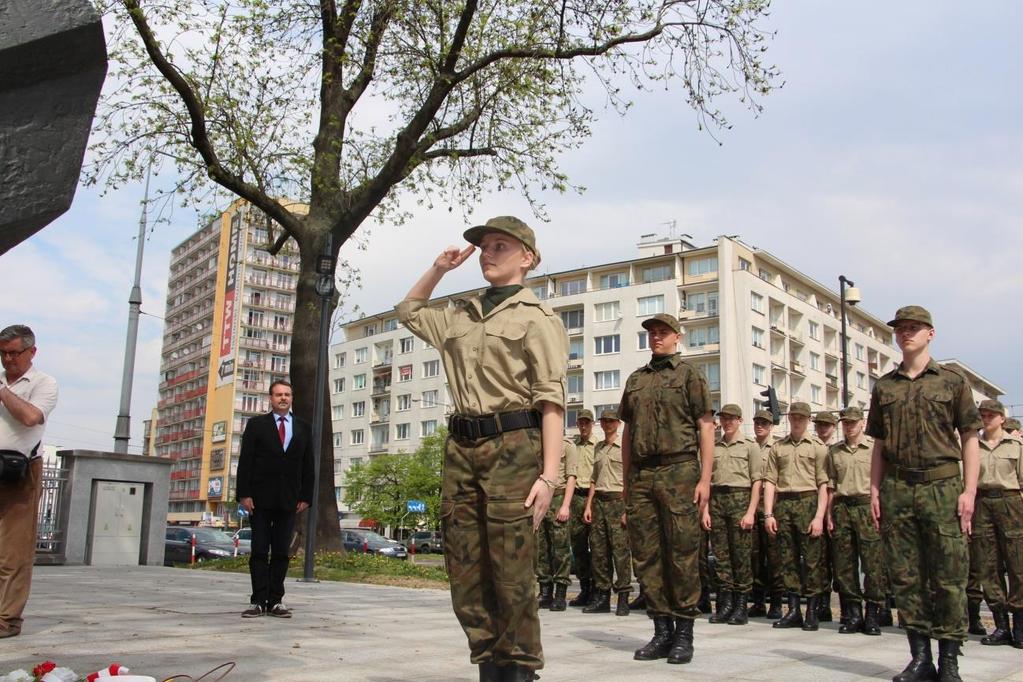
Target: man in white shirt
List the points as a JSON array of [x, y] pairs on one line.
[[27, 396]]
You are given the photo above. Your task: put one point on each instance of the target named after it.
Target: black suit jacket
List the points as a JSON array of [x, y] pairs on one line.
[[273, 477]]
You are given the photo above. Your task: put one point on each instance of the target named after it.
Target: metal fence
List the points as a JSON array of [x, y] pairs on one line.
[[51, 528]]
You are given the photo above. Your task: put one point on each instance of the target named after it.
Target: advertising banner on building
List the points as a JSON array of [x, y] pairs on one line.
[[225, 368]]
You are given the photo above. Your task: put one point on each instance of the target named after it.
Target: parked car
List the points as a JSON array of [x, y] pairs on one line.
[[209, 544], [426, 541], [360, 540]]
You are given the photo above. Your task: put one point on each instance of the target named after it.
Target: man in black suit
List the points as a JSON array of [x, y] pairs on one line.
[[275, 482]]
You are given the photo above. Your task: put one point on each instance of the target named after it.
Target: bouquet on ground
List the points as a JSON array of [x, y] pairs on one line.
[[48, 671]]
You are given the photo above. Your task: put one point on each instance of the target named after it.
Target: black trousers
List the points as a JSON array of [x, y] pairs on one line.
[[268, 563]]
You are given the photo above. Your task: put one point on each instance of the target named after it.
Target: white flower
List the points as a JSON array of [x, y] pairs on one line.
[[60, 675], [16, 676]]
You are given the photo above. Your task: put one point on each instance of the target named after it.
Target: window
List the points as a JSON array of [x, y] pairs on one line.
[[599, 410], [602, 345], [765, 275], [573, 286], [369, 330], [703, 266], [401, 431], [279, 364], [358, 381], [814, 330], [575, 383], [575, 349], [339, 385], [339, 440], [759, 372], [698, 337], [430, 398], [338, 411], [859, 351], [703, 304], [540, 292], [650, 305], [572, 319], [391, 324], [358, 437], [815, 394], [712, 371], [405, 345], [614, 280], [405, 373], [361, 355], [571, 417], [359, 409], [815, 360], [642, 341], [606, 312], [339, 360], [604, 381], [657, 273], [404, 402], [758, 338], [745, 264], [431, 368], [427, 428], [355, 461], [757, 302], [861, 380]]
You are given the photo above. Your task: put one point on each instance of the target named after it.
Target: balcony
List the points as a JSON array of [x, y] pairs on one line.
[[575, 398], [575, 363], [832, 380], [380, 389], [797, 368]]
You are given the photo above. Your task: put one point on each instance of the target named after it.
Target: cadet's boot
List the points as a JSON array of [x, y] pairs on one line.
[[601, 602], [558, 601], [948, 660], [973, 617], [622, 607], [884, 616], [921, 666], [682, 642], [758, 609], [1017, 628], [546, 592], [1001, 634], [516, 673], [583, 598], [704, 603], [739, 614], [774, 613], [793, 618], [489, 672], [854, 617], [870, 624], [824, 608], [660, 645], [639, 603], [726, 603], [812, 621]]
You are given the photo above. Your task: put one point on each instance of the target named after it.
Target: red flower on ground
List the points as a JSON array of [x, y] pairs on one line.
[[43, 668]]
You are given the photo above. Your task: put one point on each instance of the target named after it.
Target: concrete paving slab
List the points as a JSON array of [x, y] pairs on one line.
[[165, 621]]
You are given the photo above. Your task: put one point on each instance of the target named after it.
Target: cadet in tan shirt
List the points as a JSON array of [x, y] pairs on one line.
[[553, 548], [766, 571], [825, 425], [796, 473], [578, 528]]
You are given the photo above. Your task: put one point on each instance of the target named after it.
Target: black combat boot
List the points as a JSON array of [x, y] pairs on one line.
[[558, 601], [948, 660], [870, 624], [725, 606], [622, 607], [516, 673], [884, 615], [774, 613], [739, 614], [546, 595], [682, 642], [843, 609], [583, 598], [660, 645], [812, 621], [758, 609], [975, 627], [601, 602], [1017, 628], [824, 614], [921, 667], [854, 617], [639, 603], [704, 603], [1001, 634], [793, 618], [489, 672]]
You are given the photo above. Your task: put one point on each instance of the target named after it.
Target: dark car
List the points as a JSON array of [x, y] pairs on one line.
[[360, 540], [209, 544], [426, 541]]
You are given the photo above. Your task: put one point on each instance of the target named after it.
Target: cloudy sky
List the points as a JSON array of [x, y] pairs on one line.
[[887, 157]]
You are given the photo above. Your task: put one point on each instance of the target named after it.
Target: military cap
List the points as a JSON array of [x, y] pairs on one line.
[[853, 413], [1012, 424], [584, 414], [800, 408], [825, 417], [509, 225], [763, 414], [992, 406], [912, 313], [663, 318], [730, 410], [609, 414]]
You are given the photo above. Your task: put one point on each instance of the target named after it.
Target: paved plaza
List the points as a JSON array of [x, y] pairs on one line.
[[165, 621]]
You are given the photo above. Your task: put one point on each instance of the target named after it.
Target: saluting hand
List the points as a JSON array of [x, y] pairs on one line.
[[451, 257]]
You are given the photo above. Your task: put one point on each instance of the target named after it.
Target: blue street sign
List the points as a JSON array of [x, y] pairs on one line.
[[242, 513], [416, 506]]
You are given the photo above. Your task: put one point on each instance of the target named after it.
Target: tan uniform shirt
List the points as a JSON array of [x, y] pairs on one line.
[[797, 466], [512, 359], [584, 463], [569, 464], [607, 467], [737, 464], [849, 468], [1001, 467]]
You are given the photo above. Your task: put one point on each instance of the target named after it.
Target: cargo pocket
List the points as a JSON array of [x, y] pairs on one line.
[[952, 563], [1014, 548], [685, 525], [454, 540], [510, 534]]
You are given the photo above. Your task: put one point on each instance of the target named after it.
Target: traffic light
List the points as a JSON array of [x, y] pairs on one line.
[[772, 404]]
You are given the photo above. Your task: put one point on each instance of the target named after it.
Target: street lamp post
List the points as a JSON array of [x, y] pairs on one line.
[[325, 289], [852, 295]]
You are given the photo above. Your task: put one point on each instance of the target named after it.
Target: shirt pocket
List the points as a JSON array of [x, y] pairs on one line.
[[503, 342], [1006, 464], [939, 404]]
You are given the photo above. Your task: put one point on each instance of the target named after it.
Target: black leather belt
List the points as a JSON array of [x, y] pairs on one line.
[[607, 494], [475, 427], [727, 489], [996, 492], [917, 476], [796, 496], [852, 500], [661, 460]]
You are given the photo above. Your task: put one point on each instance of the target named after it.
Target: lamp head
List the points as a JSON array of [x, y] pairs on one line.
[[852, 296]]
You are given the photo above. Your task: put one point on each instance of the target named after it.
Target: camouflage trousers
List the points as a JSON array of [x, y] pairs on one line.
[[857, 545], [799, 552], [579, 532], [927, 554], [553, 551], [732, 545], [764, 557], [609, 544], [974, 590], [664, 533], [998, 541], [708, 577], [489, 544]]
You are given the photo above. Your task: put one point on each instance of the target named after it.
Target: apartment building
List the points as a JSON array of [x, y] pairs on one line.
[[230, 307]]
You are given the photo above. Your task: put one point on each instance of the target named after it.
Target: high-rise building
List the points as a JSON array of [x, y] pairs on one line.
[[227, 335]]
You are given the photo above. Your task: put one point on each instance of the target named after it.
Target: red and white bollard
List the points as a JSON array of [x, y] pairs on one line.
[[236, 546], [193, 549]]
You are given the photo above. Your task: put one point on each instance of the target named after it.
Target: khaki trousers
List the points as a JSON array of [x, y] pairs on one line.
[[18, 515]]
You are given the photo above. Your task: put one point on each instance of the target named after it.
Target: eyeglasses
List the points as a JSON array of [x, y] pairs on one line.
[[11, 354]]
